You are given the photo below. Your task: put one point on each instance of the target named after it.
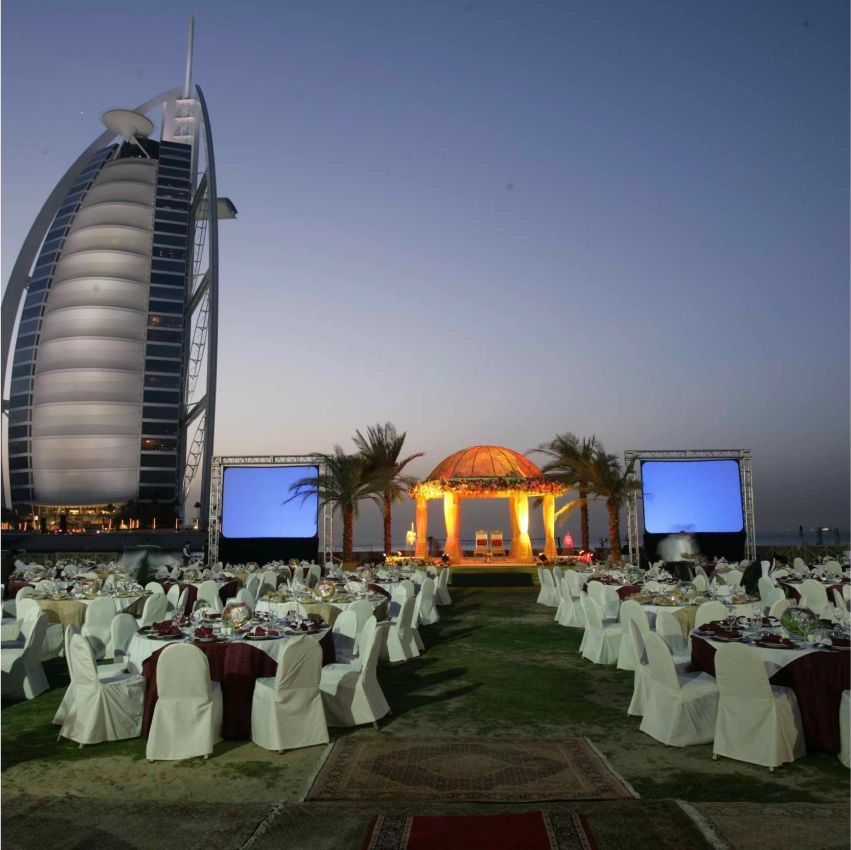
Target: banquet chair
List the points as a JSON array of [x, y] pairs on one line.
[[183, 601], [441, 593], [154, 587], [757, 723], [781, 573], [107, 709], [814, 596], [344, 633], [316, 571], [574, 582], [298, 577], [400, 594], [426, 613], [765, 586], [21, 673], [669, 629], [799, 565], [244, 595], [833, 568], [497, 545], [606, 597], [351, 694], [734, 578], [401, 644], [266, 583], [778, 607], [845, 729], [154, 610], [775, 595], [23, 593], [53, 639], [172, 598], [97, 628], [558, 575], [562, 589], [419, 577], [700, 583], [431, 572], [630, 611], [840, 602], [744, 563], [709, 612], [124, 629], [208, 592], [253, 587], [600, 643], [187, 718], [286, 709], [481, 550], [572, 614], [548, 594], [363, 609], [699, 571], [682, 707], [409, 587]]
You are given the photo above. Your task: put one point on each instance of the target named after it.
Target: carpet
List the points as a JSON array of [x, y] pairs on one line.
[[767, 826], [530, 830], [507, 770]]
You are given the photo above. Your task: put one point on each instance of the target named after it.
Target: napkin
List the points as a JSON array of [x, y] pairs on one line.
[[203, 632], [840, 641], [259, 631], [166, 628]]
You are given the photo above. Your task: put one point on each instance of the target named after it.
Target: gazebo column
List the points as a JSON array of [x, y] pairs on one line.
[[524, 544], [422, 528], [452, 517], [515, 530], [550, 526]]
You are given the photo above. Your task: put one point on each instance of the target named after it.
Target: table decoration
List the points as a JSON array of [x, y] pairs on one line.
[[235, 615], [325, 590]]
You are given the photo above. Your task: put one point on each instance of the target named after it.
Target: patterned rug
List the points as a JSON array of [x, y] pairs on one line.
[[507, 770], [531, 830]]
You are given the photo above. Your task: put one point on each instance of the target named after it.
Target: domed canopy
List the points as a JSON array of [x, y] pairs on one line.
[[485, 462]]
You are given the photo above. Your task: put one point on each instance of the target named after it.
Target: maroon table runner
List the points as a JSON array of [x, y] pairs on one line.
[[12, 588], [237, 666], [818, 680]]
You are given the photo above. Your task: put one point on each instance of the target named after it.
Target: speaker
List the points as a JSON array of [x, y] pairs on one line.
[[63, 523]]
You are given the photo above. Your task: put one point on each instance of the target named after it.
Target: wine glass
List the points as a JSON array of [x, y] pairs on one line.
[[756, 610], [731, 618]]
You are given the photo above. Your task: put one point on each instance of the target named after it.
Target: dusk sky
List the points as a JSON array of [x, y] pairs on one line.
[[489, 222]]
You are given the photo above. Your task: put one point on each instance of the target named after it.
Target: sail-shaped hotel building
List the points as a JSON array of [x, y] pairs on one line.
[[111, 396]]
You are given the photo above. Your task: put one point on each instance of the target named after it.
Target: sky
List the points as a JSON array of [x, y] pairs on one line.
[[489, 222]]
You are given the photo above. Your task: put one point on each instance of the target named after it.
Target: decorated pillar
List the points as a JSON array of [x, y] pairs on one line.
[[524, 544], [513, 554], [452, 517], [550, 526], [422, 527]]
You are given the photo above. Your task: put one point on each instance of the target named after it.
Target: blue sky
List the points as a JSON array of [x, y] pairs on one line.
[[492, 221]]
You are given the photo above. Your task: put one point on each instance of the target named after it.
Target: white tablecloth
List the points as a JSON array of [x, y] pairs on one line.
[[282, 607], [773, 659], [653, 611]]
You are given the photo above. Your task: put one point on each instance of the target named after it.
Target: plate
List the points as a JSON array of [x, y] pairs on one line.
[[207, 640], [727, 639], [165, 637], [262, 637]]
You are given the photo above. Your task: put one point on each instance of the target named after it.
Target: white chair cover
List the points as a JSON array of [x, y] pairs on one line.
[[154, 587], [208, 592], [153, 612], [253, 587], [441, 594], [845, 729], [643, 682], [600, 644], [401, 644], [700, 583], [766, 588], [775, 596], [22, 675], [351, 694], [833, 568], [709, 612], [188, 716], [316, 572], [268, 583], [572, 614], [682, 708], [814, 597], [286, 711], [734, 578], [54, 638], [345, 635], [548, 595], [778, 607], [173, 598], [426, 612], [409, 587], [245, 595], [400, 594], [669, 629], [630, 611], [558, 575], [363, 609], [97, 628], [124, 627], [757, 723], [103, 709]]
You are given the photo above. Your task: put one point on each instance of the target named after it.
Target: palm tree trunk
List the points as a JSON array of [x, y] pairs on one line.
[[348, 532], [388, 525], [583, 515], [614, 531]]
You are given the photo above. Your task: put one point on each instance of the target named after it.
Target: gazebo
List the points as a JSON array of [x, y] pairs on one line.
[[487, 472]]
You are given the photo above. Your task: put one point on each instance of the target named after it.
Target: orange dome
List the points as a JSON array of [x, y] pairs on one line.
[[485, 462]]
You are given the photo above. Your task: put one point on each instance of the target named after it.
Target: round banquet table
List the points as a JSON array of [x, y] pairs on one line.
[[653, 611], [328, 611], [227, 589], [235, 664], [624, 590], [817, 676]]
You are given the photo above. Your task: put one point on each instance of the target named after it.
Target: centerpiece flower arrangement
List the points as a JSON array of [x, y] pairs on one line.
[[325, 590], [235, 615]]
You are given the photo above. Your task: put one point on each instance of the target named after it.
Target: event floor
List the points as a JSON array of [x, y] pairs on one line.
[[495, 665]]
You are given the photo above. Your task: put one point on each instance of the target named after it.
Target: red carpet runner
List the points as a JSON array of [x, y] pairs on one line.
[[531, 831]]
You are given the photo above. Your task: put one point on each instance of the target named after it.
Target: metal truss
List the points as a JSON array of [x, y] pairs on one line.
[[741, 455], [218, 465]]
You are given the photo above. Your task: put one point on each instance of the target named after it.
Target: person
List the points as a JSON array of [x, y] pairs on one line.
[[187, 553], [676, 547]]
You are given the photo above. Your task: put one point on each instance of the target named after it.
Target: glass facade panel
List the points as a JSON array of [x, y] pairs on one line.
[[159, 429], [163, 381], [163, 239], [31, 312], [173, 351], [156, 460], [24, 355], [174, 322], [23, 371], [154, 476], [19, 447], [28, 327], [162, 397], [159, 444], [174, 266], [19, 462], [168, 413], [162, 494], [170, 215], [17, 417], [17, 479], [166, 307], [21, 385], [166, 227], [26, 341], [157, 335], [18, 401], [173, 367], [16, 432]]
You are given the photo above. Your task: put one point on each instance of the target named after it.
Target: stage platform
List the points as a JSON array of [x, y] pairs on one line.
[[477, 574]]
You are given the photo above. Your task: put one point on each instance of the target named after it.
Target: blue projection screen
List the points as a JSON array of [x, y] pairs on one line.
[[255, 502], [695, 495]]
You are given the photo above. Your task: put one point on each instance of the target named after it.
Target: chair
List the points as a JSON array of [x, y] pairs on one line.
[[53, 639], [351, 694], [630, 611], [833, 568], [245, 595], [21, 673], [497, 545], [253, 587], [408, 585], [400, 594], [766, 587], [316, 571], [669, 629], [701, 585], [734, 578], [363, 609], [208, 592], [97, 628], [757, 723], [562, 589], [426, 613], [286, 710], [845, 729], [774, 596], [600, 644], [682, 707], [699, 571], [799, 565], [839, 602], [173, 598], [548, 595], [104, 709], [574, 582], [441, 593], [778, 607], [124, 629], [297, 577], [481, 550], [814, 596], [608, 605], [187, 718], [154, 610], [345, 635], [572, 614], [401, 644], [154, 587], [709, 612], [558, 575]]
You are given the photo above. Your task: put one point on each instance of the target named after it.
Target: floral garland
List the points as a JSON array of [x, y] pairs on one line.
[[485, 486]]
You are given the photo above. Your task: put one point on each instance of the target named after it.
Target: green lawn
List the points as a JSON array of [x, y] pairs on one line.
[[496, 664]]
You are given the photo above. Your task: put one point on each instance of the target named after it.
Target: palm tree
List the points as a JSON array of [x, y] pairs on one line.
[[380, 450], [571, 462], [610, 482], [341, 481]]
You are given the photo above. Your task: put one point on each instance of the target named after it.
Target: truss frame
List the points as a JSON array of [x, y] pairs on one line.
[[744, 457]]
